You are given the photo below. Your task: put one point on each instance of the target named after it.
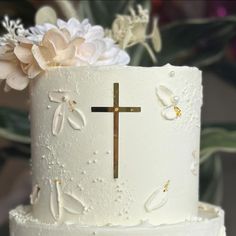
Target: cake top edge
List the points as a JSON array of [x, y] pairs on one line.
[[127, 67]]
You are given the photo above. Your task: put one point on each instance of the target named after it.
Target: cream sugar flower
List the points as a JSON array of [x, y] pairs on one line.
[[71, 43], [13, 70], [75, 43]]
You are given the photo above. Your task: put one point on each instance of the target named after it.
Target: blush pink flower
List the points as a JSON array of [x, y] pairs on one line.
[[85, 44], [17, 65]]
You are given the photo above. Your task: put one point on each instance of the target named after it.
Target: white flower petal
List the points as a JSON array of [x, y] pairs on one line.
[[39, 56], [33, 71], [23, 54], [13, 74], [96, 32], [122, 58], [17, 79], [92, 48], [64, 55], [56, 38], [61, 23], [6, 67]]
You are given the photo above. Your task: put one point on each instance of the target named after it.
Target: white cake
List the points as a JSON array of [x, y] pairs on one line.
[[115, 151]]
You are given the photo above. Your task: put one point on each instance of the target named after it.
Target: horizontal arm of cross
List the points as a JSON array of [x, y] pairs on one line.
[[116, 109]]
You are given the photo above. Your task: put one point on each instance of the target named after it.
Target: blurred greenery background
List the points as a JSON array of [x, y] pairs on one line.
[[197, 33]]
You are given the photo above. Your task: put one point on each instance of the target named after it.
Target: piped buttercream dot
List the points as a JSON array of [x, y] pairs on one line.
[[48, 107], [175, 99], [65, 98], [95, 152], [108, 152], [172, 74], [83, 172]]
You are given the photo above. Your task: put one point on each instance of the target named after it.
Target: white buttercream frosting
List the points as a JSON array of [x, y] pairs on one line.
[[72, 147], [208, 222], [156, 192]]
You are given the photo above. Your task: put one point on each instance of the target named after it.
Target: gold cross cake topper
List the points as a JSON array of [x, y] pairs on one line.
[[116, 109]]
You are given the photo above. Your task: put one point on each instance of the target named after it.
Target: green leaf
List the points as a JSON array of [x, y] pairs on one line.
[[18, 150], [211, 185], [214, 140], [14, 125], [196, 42], [225, 69]]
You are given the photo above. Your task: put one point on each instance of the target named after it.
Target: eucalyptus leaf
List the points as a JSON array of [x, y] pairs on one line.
[[45, 14], [196, 42], [136, 54], [211, 184], [156, 37], [67, 7], [214, 140], [225, 69], [14, 125], [15, 150]]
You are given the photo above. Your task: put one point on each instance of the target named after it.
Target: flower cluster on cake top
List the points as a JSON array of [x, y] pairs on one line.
[[26, 53]]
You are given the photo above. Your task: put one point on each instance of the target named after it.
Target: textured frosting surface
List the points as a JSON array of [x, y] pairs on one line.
[[210, 222], [72, 147]]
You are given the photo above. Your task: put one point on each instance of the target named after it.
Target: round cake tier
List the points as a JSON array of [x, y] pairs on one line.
[[210, 222], [115, 144]]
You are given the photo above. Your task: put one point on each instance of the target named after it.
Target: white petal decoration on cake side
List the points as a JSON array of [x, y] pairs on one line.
[[58, 96], [56, 201], [158, 198], [169, 113], [77, 119], [58, 119], [72, 204], [195, 163], [34, 197], [165, 95]]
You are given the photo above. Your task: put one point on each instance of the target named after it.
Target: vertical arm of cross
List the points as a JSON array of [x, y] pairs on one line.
[[116, 130], [116, 109]]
